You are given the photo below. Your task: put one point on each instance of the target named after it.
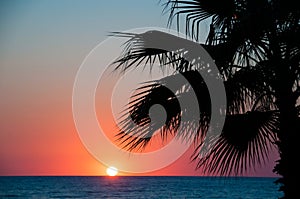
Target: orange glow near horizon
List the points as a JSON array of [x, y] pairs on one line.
[[45, 142]]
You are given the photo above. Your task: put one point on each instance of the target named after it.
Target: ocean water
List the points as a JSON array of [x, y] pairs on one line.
[[138, 187]]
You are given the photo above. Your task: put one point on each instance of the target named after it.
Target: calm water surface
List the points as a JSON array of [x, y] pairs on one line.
[[138, 187]]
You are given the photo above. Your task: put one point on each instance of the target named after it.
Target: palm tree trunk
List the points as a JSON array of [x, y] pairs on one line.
[[287, 166]]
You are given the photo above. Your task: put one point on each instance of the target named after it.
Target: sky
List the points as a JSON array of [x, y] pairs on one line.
[[42, 45]]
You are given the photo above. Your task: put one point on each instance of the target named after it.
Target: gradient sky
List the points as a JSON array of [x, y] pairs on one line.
[[42, 45]]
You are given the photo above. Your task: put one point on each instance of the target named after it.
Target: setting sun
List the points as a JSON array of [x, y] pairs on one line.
[[112, 171]]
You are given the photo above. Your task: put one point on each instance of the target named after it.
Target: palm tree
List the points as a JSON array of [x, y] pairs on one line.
[[255, 45]]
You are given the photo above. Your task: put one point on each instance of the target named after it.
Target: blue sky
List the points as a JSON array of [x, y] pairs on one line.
[[58, 33]]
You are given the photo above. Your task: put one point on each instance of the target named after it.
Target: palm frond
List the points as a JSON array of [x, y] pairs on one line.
[[245, 141], [231, 57], [196, 11], [193, 128], [137, 127], [250, 87], [137, 52], [288, 39]]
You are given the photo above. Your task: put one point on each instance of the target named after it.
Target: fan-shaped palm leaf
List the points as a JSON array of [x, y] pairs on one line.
[[192, 128], [245, 141]]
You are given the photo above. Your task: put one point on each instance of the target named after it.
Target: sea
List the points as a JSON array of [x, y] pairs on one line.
[[139, 187]]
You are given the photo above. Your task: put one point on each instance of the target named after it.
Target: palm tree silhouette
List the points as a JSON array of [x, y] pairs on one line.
[[255, 45]]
